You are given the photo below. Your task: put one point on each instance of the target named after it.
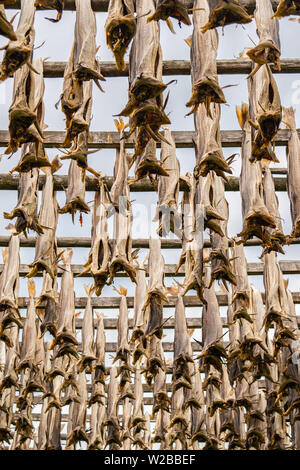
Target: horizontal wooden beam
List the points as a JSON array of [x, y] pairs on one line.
[[11, 183], [102, 5], [85, 242], [101, 303], [254, 269], [179, 67], [108, 140]]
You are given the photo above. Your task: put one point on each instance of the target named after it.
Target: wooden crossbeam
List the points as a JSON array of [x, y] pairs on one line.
[[287, 267], [179, 67], [183, 139], [102, 303], [102, 5], [11, 183], [85, 242]]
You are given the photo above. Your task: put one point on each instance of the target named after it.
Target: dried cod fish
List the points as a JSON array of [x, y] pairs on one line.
[[268, 49], [265, 112], [45, 249], [287, 8], [78, 419], [120, 29], [29, 338], [66, 336], [49, 294], [100, 254], [113, 438], [140, 314], [156, 294], [170, 8], [26, 208], [168, 189], [293, 168], [52, 5], [88, 346], [204, 49], [182, 357], [9, 288], [26, 114], [19, 51], [255, 213], [75, 193]]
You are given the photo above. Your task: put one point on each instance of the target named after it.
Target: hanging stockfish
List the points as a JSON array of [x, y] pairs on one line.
[[88, 345], [9, 288], [96, 434], [70, 384], [49, 295], [78, 431], [227, 422], [255, 213], [220, 262], [171, 8], [6, 28], [161, 431], [287, 8], [42, 429], [196, 403], [52, 5], [156, 294], [53, 429], [66, 335], [45, 249], [126, 437], [256, 420], [120, 29], [18, 52], [213, 351], [204, 48], [137, 422], [224, 12], [26, 208], [268, 49], [8, 385], [182, 357], [140, 316], [23, 418], [100, 253], [99, 373], [237, 441], [265, 113], [113, 438], [168, 189], [54, 377], [276, 235], [26, 114], [192, 245], [123, 349], [122, 257], [145, 105], [157, 371], [293, 169], [276, 302], [234, 339], [178, 424]]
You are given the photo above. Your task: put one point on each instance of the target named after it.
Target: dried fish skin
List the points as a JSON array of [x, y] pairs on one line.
[[268, 49], [29, 338], [99, 369], [255, 213], [278, 239], [46, 250], [113, 438], [120, 29], [6, 28], [265, 109], [100, 254], [203, 62], [88, 356], [75, 194], [86, 66], [293, 168], [182, 356], [52, 5], [78, 431], [26, 114], [26, 208], [140, 295], [223, 12], [168, 189], [18, 52]]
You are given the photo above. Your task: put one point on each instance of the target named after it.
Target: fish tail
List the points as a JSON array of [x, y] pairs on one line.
[[121, 290], [66, 256], [31, 288], [242, 113], [4, 255], [89, 290], [189, 41], [289, 118]]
